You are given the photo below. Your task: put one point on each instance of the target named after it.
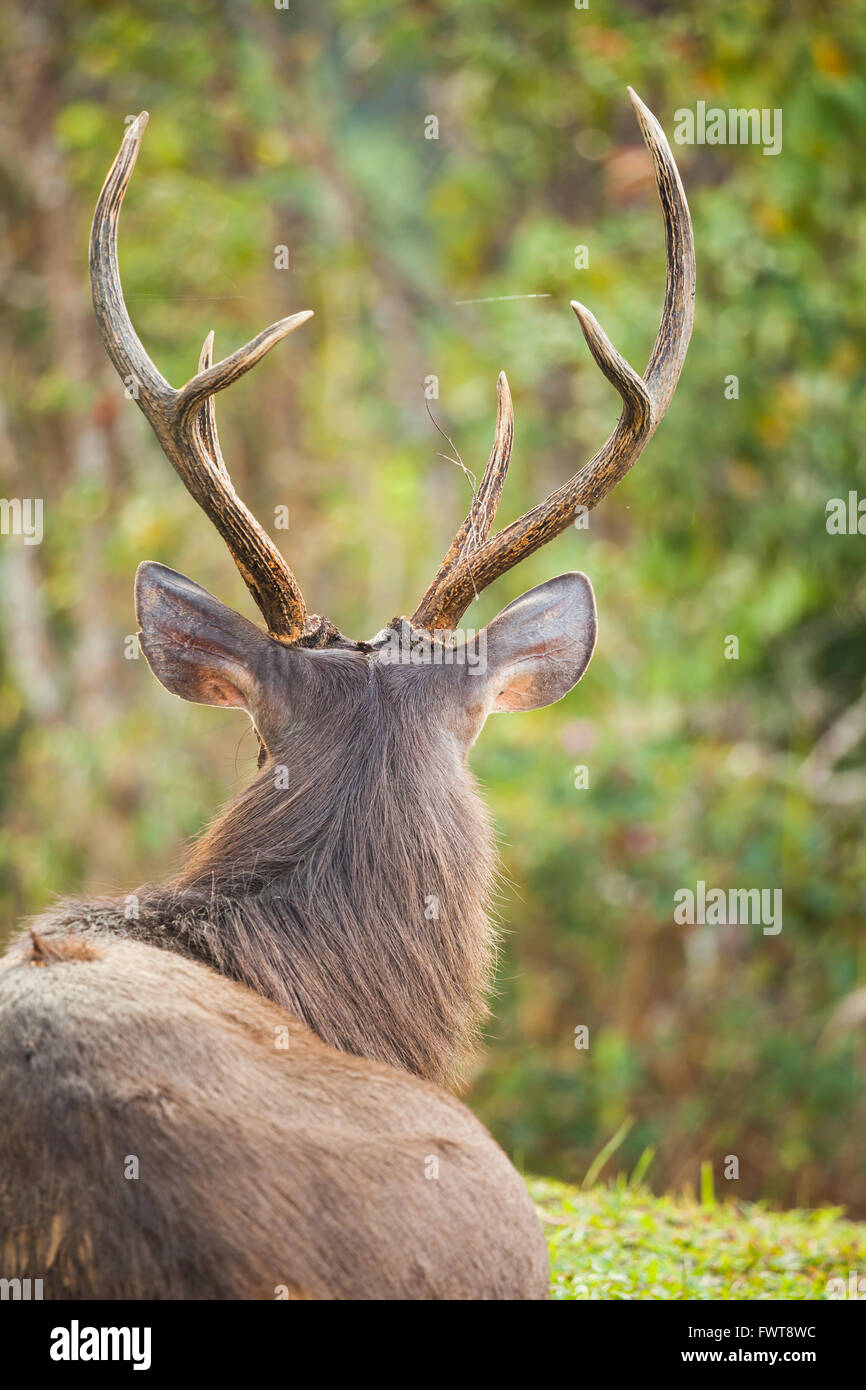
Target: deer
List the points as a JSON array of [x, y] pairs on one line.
[[244, 1089]]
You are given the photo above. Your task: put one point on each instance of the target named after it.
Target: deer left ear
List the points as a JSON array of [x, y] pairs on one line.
[[197, 647], [540, 645]]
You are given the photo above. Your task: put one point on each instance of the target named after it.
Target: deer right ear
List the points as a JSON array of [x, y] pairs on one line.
[[540, 645], [195, 646]]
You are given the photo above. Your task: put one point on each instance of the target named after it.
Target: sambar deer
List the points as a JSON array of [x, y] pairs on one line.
[[233, 1093]]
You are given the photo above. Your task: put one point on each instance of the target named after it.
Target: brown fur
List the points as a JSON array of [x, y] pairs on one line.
[[45, 949], [264, 1172]]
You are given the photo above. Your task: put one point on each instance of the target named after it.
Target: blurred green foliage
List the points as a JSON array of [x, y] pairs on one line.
[[305, 127]]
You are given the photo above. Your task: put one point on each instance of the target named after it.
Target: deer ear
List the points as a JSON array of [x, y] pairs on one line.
[[196, 647], [540, 645]]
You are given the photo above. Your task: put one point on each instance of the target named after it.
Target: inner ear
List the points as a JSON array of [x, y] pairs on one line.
[[196, 647], [538, 647]]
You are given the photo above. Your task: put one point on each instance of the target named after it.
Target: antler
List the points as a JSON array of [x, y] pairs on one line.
[[184, 421], [474, 559]]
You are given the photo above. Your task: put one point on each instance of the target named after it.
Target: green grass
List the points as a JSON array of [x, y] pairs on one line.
[[619, 1241]]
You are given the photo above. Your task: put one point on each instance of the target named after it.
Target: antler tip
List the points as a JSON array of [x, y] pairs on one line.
[[206, 356], [585, 317], [597, 340], [649, 126], [636, 101], [136, 128], [504, 407], [283, 327]]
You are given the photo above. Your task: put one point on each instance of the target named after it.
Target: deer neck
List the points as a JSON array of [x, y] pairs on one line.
[[363, 909]]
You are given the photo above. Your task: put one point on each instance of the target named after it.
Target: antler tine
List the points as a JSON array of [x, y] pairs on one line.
[[184, 421], [483, 510], [216, 378], [120, 338], [475, 529], [207, 424], [645, 400], [678, 315]]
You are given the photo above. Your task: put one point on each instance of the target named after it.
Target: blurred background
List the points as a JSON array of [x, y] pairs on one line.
[[308, 128]]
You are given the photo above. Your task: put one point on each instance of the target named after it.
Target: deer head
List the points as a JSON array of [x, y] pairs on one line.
[[350, 881]]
